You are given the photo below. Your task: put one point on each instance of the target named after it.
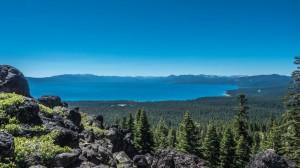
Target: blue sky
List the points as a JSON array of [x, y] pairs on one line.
[[150, 37]]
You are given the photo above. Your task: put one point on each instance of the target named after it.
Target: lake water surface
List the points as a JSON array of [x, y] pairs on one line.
[[138, 91]]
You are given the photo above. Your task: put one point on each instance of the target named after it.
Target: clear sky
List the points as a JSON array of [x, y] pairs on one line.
[[150, 37]]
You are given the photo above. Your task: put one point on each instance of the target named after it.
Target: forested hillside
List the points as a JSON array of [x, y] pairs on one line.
[[203, 110]]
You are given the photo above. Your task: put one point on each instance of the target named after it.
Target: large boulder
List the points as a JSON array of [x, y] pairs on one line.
[[122, 159], [75, 117], [13, 81], [269, 159], [6, 145], [50, 101], [66, 137], [140, 161], [96, 154], [28, 113], [170, 158], [67, 159], [122, 140]]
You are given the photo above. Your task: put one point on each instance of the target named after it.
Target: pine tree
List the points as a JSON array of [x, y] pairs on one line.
[[171, 138], [136, 132], [240, 125], [256, 143], [143, 139], [242, 153], [187, 136], [160, 135], [130, 123], [291, 138], [137, 116], [241, 118], [227, 150], [274, 138], [211, 145], [124, 123], [117, 119]]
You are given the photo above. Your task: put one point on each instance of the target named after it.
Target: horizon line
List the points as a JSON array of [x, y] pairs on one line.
[[136, 76]]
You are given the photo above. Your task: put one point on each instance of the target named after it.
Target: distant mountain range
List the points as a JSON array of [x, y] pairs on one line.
[[259, 85], [273, 80]]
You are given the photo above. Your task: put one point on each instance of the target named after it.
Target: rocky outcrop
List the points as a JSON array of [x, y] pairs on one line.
[[170, 158], [122, 140], [50, 101], [13, 81], [269, 159], [6, 145]]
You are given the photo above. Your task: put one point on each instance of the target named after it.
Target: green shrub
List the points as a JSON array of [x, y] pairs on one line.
[[13, 126], [45, 110], [42, 146], [38, 128], [9, 101], [84, 121], [7, 164], [59, 110]]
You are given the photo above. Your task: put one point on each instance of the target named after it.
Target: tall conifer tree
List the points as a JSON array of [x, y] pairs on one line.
[[160, 135], [187, 136], [227, 150], [211, 146], [243, 148], [171, 138], [242, 153], [130, 123], [291, 138], [143, 139]]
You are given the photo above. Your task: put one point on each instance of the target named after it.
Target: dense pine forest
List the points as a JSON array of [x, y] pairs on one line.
[[217, 109]]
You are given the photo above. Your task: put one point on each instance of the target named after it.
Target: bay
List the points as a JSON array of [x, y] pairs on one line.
[[136, 91]]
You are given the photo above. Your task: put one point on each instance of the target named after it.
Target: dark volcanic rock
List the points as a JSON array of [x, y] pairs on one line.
[[122, 159], [12, 80], [96, 154], [122, 140], [66, 159], [170, 158], [6, 145], [50, 101], [140, 161], [29, 113], [38, 166], [67, 137], [97, 121], [75, 117], [269, 159], [87, 136]]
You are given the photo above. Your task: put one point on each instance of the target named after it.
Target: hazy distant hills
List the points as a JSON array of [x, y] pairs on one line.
[[241, 81], [252, 85]]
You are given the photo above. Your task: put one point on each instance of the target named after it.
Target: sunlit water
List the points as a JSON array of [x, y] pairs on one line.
[[138, 91]]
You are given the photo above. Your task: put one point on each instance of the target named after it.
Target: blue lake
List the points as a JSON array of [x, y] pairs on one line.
[[137, 91]]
